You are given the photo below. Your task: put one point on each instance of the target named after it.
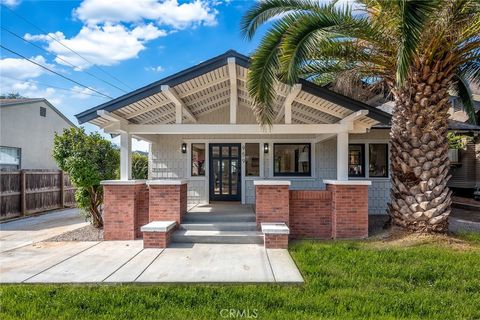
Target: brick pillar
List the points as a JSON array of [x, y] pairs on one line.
[[167, 200], [272, 201], [123, 208], [349, 208]]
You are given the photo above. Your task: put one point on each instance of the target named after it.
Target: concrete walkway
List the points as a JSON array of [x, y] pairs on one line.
[[127, 261], [22, 232]]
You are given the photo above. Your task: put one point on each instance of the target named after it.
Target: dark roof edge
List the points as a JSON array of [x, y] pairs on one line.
[[35, 100], [215, 63]]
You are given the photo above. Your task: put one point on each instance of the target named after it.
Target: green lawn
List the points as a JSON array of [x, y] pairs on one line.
[[344, 280]]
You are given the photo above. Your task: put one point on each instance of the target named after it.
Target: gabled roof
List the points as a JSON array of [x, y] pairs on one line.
[[216, 63], [17, 102]]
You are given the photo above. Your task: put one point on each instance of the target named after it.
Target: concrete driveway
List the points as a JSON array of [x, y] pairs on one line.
[[127, 261], [18, 233]]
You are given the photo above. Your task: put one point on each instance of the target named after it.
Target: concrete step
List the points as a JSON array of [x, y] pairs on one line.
[[218, 217], [233, 237], [220, 226]]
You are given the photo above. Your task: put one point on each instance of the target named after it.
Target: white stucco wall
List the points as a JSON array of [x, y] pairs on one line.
[[21, 126]]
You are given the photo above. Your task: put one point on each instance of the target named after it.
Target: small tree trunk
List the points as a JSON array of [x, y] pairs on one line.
[[420, 198]]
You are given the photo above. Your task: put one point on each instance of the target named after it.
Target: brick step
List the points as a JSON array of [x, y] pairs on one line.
[[220, 226], [228, 237], [218, 217]]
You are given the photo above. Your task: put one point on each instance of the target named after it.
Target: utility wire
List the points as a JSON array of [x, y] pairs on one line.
[[54, 72], [70, 64], [43, 84], [65, 46]]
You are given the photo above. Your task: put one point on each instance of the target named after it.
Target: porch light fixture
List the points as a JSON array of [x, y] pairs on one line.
[[265, 148], [184, 148]]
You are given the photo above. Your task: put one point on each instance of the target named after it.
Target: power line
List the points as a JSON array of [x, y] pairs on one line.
[[54, 72], [70, 64], [43, 84], [67, 47]]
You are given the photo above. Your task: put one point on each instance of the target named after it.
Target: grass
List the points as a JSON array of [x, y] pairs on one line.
[[436, 278]]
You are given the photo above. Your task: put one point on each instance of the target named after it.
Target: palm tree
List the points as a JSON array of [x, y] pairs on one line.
[[419, 50]]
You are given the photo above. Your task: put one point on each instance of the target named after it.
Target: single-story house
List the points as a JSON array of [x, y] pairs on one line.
[[27, 128], [323, 164]]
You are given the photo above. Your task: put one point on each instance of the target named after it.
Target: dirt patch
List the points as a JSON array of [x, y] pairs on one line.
[[87, 233], [396, 237]]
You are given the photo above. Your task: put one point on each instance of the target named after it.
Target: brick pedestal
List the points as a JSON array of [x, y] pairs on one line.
[[276, 241], [272, 201], [125, 209], [349, 208], [157, 234], [167, 200]]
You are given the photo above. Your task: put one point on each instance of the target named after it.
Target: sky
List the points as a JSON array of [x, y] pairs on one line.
[[118, 46]]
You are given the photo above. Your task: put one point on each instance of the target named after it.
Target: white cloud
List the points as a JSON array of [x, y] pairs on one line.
[[10, 3], [155, 69], [30, 89], [22, 69], [169, 12], [101, 45]]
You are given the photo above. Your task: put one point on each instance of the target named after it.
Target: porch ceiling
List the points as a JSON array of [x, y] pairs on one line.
[[211, 90]]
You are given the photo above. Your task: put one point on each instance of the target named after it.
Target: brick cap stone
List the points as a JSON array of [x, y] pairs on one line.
[[158, 226], [275, 228], [271, 182], [121, 182], [348, 182], [166, 182]]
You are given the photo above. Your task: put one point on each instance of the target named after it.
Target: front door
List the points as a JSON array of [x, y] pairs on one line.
[[225, 160]]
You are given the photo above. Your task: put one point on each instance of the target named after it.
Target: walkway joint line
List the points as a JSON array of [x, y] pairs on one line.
[[56, 264]]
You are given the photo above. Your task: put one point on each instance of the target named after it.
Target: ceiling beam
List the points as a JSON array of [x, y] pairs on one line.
[[147, 109], [236, 129], [286, 108], [321, 107], [180, 107], [354, 116], [232, 73]]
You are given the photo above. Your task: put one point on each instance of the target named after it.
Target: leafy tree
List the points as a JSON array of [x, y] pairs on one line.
[[139, 166], [419, 50], [88, 159], [11, 96]]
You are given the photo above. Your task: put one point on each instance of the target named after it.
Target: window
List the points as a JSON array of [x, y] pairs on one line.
[[356, 160], [292, 159], [198, 159], [10, 158], [252, 159], [43, 112], [378, 160]]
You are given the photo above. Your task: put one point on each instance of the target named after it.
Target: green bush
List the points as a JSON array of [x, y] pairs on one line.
[[88, 159]]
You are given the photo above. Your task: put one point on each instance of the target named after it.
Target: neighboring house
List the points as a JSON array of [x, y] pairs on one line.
[[27, 129], [203, 133]]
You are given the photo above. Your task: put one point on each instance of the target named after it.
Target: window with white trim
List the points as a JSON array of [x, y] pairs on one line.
[[252, 159], [10, 158], [292, 159], [198, 159], [378, 160]]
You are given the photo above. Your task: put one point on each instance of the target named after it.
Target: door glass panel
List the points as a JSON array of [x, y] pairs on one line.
[[225, 152], [216, 151], [216, 177], [234, 151], [225, 176], [235, 172]]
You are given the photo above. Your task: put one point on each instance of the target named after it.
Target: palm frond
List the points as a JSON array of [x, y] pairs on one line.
[[263, 71], [461, 88], [264, 11], [413, 15]]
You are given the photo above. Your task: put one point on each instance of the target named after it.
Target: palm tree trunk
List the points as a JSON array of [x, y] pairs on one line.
[[420, 198]]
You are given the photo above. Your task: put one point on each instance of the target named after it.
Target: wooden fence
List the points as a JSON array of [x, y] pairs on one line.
[[27, 192]]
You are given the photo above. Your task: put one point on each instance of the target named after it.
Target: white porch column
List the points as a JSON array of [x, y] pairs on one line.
[[342, 156], [125, 156]]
